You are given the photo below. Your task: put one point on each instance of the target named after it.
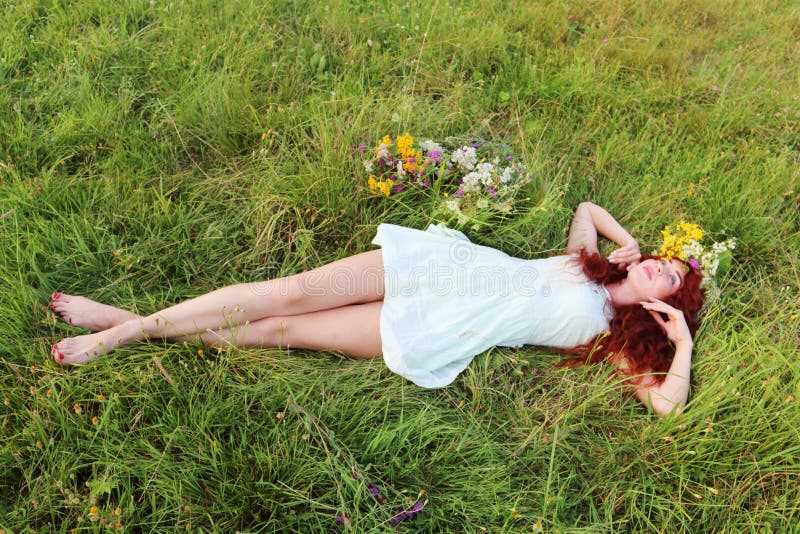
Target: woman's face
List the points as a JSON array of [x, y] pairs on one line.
[[657, 278]]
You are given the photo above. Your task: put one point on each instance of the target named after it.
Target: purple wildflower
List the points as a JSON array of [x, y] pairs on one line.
[[475, 144], [694, 264], [399, 517], [509, 158], [408, 514], [392, 177], [435, 156], [426, 182], [411, 160], [397, 189], [492, 192], [373, 490], [460, 192]]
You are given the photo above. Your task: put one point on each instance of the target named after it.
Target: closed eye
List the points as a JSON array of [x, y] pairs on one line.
[[672, 278]]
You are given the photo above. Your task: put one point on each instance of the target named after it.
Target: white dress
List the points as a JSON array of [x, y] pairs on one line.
[[447, 299]]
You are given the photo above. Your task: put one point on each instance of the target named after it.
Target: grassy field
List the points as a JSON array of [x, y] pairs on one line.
[[153, 151]]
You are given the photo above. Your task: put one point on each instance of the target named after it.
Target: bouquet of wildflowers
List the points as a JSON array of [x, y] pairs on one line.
[[472, 176]]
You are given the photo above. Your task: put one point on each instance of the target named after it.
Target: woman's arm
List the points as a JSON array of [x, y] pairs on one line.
[[591, 220], [672, 393]]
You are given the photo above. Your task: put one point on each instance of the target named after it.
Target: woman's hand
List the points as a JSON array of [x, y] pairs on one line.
[[627, 255], [675, 326]]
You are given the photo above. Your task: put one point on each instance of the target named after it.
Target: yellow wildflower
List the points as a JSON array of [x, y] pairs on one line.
[[385, 141], [691, 230], [404, 145]]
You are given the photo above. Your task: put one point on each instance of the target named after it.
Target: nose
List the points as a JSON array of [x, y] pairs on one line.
[[659, 268]]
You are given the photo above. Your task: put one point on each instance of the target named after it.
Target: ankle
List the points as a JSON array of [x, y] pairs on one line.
[[129, 331]]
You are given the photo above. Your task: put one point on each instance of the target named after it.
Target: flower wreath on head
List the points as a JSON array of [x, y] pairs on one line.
[[683, 242]]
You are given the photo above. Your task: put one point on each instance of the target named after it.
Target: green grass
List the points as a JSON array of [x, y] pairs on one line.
[[208, 143]]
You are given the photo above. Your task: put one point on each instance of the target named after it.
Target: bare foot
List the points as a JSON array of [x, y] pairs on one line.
[[83, 349], [86, 313]]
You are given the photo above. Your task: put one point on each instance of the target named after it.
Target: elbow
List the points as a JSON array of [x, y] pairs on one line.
[[664, 407]]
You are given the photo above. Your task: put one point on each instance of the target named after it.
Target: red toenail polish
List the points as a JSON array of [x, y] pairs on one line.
[[56, 296], [60, 355]]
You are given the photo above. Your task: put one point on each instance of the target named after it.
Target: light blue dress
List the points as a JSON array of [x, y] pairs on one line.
[[447, 299]]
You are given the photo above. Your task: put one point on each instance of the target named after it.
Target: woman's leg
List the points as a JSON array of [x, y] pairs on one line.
[[354, 329], [353, 280]]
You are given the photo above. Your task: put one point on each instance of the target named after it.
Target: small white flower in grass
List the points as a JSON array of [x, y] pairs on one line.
[[470, 182], [429, 146], [465, 156], [484, 171], [368, 165], [453, 205]]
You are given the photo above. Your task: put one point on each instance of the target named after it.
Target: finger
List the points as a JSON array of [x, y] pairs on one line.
[[661, 302], [660, 308]]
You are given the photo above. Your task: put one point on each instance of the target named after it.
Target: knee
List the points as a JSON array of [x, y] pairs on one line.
[[271, 331], [279, 294]]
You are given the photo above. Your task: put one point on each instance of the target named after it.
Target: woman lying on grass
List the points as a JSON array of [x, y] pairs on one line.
[[428, 302]]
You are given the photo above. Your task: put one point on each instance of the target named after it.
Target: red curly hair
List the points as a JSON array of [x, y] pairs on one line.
[[633, 331]]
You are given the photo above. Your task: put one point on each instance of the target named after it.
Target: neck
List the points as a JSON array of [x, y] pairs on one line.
[[622, 294]]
